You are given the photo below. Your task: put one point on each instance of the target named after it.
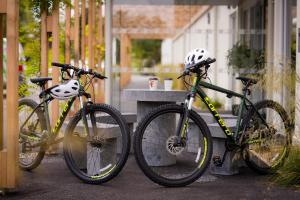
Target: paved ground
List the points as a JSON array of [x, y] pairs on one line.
[[52, 180]]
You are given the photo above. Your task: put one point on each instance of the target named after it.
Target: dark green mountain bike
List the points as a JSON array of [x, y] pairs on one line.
[[179, 151], [96, 142]]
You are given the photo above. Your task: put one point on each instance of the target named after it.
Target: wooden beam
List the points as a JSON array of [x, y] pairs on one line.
[[1, 83], [91, 36], [3, 169], [67, 36], [83, 23], [55, 58], [125, 61], [3, 6], [100, 32], [76, 31], [44, 44], [99, 85], [12, 21], [49, 24]]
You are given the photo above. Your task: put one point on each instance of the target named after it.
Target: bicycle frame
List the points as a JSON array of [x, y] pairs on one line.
[[51, 132], [244, 100]]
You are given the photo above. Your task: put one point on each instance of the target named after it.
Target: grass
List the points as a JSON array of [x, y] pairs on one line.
[[289, 173]]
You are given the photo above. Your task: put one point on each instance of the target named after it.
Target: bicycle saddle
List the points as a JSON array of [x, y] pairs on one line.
[[246, 80], [40, 80]]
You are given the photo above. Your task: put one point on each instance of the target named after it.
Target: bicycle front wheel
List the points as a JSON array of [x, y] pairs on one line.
[[157, 152], [267, 137], [97, 153]]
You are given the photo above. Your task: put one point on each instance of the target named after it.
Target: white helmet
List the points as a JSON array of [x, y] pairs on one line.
[[66, 90], [196, 56]]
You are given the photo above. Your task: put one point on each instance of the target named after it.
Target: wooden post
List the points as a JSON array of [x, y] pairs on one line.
[[99, 85], [83, 13], [12, 21], [76, 31], [67, 36], [55, 58], [91, 36], [125, 59], [44, 44], [1, 82], [100, 33]]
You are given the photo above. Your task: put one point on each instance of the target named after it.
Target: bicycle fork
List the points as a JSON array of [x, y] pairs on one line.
[[182, 127]]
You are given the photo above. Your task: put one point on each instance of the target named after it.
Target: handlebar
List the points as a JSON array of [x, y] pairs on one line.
[[78, 71], [195, 68]]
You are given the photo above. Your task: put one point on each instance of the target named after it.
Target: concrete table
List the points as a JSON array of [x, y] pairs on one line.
[[147, 100]]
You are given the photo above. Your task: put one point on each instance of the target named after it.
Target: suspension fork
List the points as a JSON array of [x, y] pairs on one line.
[[84, 118], [184, 119]]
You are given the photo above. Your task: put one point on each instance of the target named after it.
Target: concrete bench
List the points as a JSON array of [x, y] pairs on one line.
[[91, 158], [230, 165]]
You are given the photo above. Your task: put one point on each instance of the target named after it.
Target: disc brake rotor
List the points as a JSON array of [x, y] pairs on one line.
[[171, 147]]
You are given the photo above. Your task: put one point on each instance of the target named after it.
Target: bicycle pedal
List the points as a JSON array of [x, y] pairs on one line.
[[217, 161]]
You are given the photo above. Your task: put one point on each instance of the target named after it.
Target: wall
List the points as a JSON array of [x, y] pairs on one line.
[[210, 30]]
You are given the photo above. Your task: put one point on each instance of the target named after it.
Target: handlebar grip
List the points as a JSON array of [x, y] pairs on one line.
[[58, 65], [211, 61], [97, 75]]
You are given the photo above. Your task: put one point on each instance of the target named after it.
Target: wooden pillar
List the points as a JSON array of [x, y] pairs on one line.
[[67, 36], [125, 60], [99, 87], [76, 32], [100, 33], [83, 14], [91, 35], [9, 159], [55, 58], [44, 44], [1, 82]]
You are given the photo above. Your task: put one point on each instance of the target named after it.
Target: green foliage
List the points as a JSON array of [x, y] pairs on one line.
[[240, 56], [289, 174], [145, 53]]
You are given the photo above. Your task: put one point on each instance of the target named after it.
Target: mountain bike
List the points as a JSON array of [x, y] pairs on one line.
[[178, 152], [96, 141]]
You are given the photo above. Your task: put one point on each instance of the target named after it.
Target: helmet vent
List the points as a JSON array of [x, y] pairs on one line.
[[200, 57], [76, 83], [202, 51], [193, 57], [74, 88], [67, 92], [57, 90]]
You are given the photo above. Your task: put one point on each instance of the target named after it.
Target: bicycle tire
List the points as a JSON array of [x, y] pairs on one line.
[[138, 136], [36, 162], [116, 115], [287, 126]]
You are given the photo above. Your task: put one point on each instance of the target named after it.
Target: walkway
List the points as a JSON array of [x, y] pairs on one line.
[[52, 180]]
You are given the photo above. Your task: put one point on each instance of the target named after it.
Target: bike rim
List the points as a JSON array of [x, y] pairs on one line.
[[267, 143], [167, 161], [32, 136], [96, 156]]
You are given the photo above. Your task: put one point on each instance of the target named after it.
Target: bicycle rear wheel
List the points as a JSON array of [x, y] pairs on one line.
[[99, 156], [160, 158], [30, 152], [266, 145]]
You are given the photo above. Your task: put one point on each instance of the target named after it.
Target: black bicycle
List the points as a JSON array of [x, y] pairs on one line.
[[173, 144], [96, 141]]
